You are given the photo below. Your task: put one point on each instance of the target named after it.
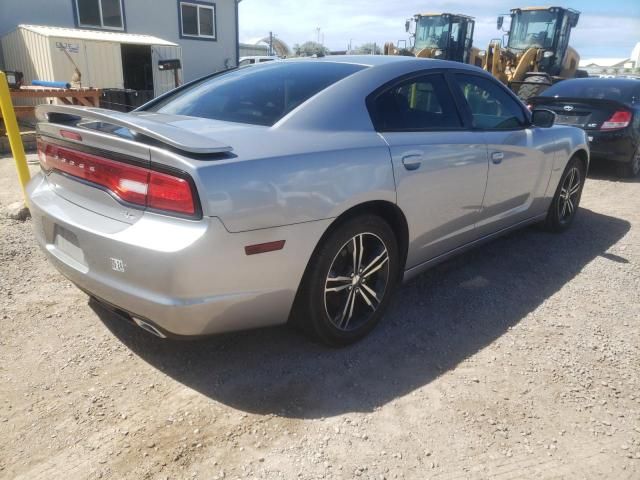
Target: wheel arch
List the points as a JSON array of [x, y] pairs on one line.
[[583, 156], [388, 211]]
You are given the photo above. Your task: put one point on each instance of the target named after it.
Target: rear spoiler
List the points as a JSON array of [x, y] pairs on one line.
[[164, 133]]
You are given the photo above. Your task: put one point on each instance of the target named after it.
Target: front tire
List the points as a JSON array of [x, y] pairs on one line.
[[349, 281], [566, 200]]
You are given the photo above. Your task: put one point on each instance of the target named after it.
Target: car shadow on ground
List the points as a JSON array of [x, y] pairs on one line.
[[436, 321], [603, 170]]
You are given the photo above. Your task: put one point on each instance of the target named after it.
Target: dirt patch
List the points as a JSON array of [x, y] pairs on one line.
[[517, 360]]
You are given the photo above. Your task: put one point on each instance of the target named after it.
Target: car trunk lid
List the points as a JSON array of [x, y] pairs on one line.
[[101, 160], [585, 113]]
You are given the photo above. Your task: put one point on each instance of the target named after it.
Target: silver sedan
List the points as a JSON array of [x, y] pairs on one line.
[[301, 191]]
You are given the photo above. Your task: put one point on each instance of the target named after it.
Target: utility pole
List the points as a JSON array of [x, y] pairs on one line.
[[318, 34], [270, 44]]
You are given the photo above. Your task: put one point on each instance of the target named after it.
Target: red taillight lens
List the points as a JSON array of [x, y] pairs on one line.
[[167, 192], [620, 119], [138, 185]]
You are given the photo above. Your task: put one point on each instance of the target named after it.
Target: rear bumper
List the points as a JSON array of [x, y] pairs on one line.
[[187, 277], [616, 146]]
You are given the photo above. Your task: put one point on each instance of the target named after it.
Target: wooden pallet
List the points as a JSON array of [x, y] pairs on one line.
[[87, 97]]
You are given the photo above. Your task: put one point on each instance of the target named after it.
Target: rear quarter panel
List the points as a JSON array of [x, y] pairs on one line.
[[288, 177]]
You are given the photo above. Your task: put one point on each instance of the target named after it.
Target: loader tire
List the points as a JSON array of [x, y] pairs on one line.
[[535, 85]]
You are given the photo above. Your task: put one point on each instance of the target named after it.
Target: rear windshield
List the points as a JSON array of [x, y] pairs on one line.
[[256, 95], [627, 91]]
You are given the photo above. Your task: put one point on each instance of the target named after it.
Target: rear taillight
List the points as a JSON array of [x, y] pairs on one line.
[[167, 192], [131, 183], [620, 119]]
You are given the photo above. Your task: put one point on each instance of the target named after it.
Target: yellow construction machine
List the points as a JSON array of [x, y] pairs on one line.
[[536, 53], [446, 36]]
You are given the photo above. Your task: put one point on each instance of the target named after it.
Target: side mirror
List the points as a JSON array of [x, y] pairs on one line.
[[407, 25], [573, 22], [543, 118], [500, 21]]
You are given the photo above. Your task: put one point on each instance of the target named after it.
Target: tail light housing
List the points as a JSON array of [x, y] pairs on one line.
[[620, 119], [138, 185]]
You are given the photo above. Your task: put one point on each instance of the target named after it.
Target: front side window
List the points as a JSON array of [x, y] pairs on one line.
[[198, 20], [259, 95], [533, 28], [432, 32], [100, 14], [422, 103], [491, 107]]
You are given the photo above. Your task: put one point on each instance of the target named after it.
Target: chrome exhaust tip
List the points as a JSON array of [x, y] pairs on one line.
[[149, 328]]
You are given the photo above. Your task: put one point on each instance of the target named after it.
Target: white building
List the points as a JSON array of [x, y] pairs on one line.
[[599, 66]]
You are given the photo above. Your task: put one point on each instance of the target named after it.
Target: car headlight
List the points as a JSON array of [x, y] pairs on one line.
[[438, 53], [547, 54]]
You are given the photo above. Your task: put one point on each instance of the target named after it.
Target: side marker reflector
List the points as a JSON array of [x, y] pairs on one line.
[[264, 247]]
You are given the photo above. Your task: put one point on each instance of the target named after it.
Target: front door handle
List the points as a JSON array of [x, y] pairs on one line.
[[497, 157], [412, 162]]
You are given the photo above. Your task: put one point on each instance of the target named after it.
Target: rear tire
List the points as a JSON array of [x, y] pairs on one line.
[[337, 303], [539, 83], [566, 200], [631, 169]]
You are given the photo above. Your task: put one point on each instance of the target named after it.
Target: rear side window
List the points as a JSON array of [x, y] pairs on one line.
[[621, 90], [260, 95], [422, 103], [491, 107]]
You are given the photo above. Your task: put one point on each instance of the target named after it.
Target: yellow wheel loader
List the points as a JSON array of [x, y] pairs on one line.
[[537, 52], [445, 36]]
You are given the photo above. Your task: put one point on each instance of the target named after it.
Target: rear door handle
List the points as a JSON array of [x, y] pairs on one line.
[[497, 157], [412, 161]]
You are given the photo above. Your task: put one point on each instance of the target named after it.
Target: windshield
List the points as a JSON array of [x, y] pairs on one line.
[[535, 28], [259, 95], [432, 32], [626, 91]]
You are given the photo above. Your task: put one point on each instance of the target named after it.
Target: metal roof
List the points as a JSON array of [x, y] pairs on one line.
[[96, 35], [433, 14]]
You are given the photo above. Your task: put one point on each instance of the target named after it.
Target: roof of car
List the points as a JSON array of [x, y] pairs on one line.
[[376, 60], [606, 81]]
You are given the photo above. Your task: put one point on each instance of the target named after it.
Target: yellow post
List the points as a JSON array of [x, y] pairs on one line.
[[13, 132]]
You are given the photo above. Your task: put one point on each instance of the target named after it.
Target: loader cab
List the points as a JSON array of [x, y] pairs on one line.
[[444, 36], [547, 29]]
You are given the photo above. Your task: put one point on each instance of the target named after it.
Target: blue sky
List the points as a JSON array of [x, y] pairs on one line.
[[607, 28]]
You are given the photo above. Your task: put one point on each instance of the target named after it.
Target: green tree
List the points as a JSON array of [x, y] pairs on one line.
[[309, 49]]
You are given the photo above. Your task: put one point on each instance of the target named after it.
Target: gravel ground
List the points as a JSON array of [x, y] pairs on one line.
[[517, 360]]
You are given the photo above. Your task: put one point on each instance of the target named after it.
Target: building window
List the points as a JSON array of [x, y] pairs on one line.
[[105, 14], [198, 20]]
